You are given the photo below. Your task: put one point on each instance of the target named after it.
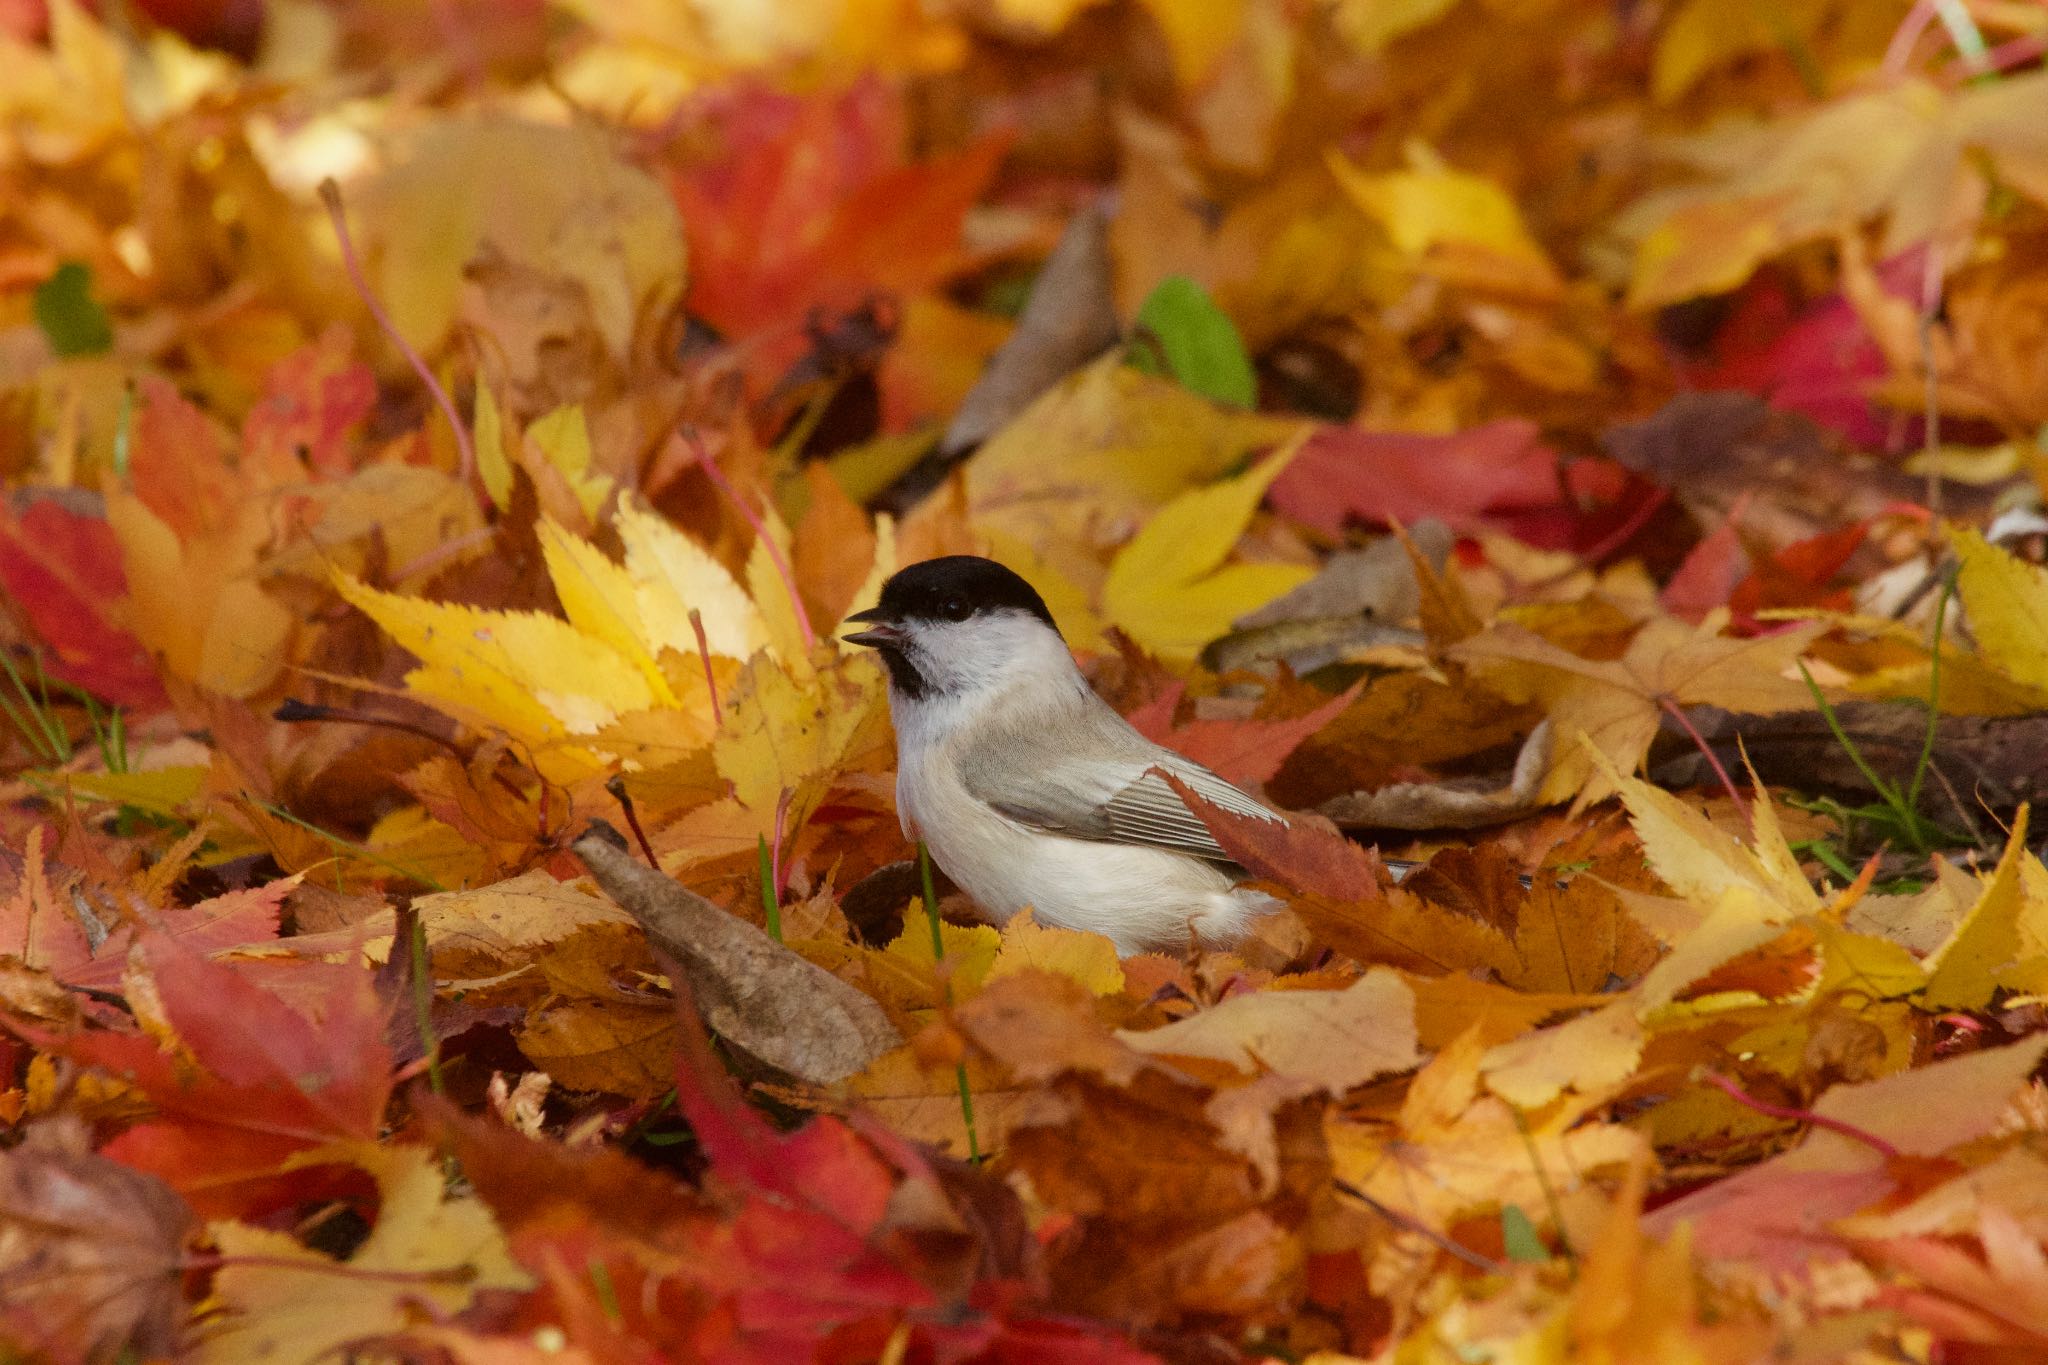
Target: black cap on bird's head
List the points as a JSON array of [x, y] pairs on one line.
[[920, 605], [952, 588]]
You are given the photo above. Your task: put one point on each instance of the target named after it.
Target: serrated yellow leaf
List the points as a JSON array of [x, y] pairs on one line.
[[1702, 861], [1741, 920], [1964, 972], [1087, 958], [1165, 587], [782, 731], [1587, 1054], [2007, 602], [277, 1299], [536, 677], [1863, 963], [671, 575], [600, 600], [970, 950]]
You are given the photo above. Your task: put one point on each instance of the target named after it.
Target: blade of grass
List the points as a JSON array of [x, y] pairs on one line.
[[349, 845], [931, 914], [771, 903], [423, 1005], [1948, 587]]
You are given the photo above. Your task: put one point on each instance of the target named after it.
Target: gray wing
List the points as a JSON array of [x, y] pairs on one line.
[[1111, 798]]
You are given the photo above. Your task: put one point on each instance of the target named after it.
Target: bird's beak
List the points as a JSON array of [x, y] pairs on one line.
[[881, 630]]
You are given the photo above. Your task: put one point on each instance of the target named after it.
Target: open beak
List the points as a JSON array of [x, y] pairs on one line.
[[881, 630]]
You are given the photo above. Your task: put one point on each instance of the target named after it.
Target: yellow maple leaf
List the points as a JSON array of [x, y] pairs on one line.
[[2000, 941], [558, 200], [536, 677], [1097, 453], [278, 1300], [2007, 602], [1618, 703], [1087, 958], [1431, 204], [1169, 587]]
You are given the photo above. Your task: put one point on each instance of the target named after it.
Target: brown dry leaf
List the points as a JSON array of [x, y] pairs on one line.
[[89, 1251], [613, 1047], [753, 992]]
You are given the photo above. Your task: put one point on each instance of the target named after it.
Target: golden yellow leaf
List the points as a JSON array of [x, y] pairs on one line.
[[1965, 972], [536, 677], [782, 733], [1169, 587], [970, 951], [1098, 452], [1088, 958], [281, 1302], [563, 439], [488, 436], [673, 574], [600, 600], [2007, 602], [1431, 204], [557, 200]]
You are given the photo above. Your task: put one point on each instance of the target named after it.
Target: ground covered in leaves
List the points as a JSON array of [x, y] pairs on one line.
[[1591, 450]]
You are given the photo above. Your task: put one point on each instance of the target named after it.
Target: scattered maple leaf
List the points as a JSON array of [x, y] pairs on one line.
[[90, 1252], [1618, 704], [279, 1299], [1382, 477]]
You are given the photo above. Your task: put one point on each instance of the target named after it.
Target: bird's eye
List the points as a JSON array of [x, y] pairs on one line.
[[955, 609]]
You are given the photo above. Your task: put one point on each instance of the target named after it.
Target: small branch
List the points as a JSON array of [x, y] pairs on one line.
[[330, 195], [753, 519], [1779, 1111], [1409, 1223]]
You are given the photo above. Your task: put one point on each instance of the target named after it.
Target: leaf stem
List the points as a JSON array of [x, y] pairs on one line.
[[1677, 713], [1779, 1111], [330, 195], [423, 1005]]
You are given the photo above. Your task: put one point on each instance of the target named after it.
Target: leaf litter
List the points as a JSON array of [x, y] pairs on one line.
[[1595, 509]]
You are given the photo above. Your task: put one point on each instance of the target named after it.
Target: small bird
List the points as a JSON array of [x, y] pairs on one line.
[[1026, 787]]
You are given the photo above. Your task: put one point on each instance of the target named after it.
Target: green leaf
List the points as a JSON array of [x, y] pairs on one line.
[[72, 321], [1518, 1235], [1198, 341]]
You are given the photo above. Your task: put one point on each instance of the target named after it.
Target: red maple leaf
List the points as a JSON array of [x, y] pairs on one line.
[[62, 571], [264, 1080]]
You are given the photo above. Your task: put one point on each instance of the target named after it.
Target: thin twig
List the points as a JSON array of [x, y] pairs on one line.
[[330, 195], [1409, 1223]]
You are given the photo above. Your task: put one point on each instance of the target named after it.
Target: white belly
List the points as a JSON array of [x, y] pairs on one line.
[[1143, 899]]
